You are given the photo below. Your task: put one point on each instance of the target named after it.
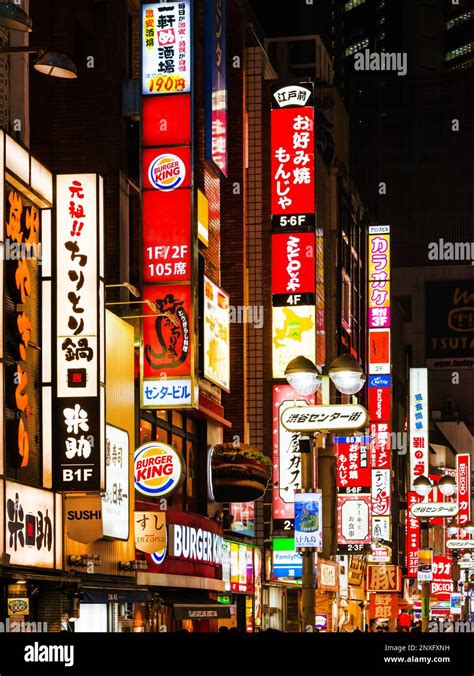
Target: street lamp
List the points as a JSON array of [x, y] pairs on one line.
[[304, 377], [347, 374], [15, 18], [48, 63], [453, 529], [447, 485], [423, 486]]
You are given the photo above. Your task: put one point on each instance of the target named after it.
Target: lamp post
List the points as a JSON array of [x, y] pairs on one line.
[[423, 488], [305, 379], [454, 530]]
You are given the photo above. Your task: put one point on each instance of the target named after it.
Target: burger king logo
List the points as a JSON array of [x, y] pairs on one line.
[[167, 172], [159, 469]]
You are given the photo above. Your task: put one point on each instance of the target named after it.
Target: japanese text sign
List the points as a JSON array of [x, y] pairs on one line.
[[333, 417], [463, 471], [30, 526], [78, 402], [353, 464], [353, 523], [384, 577], [166, 47], [419, 412], [292, 165]]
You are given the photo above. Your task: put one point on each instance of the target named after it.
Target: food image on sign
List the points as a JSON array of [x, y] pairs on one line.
[[308, 520], [159, 469], [238, 473], [216, 335], [166, 338]]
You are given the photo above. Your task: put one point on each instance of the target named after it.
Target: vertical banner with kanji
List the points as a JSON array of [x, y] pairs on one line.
[[419, 424], [380, 382], [79, 392], [412, 532], [167, 361], [293, 226], [286, 459], [463, 477]]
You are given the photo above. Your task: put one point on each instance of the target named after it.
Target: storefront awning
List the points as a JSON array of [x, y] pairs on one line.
[[108, 595], [192, 605]]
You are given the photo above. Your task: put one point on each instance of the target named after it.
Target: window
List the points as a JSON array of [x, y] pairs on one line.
[[352, 3], [460, 51], [462, 18], [357, 47], [182, 432], [346, 302], [145, 431]]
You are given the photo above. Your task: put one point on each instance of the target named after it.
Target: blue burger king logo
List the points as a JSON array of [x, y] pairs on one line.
[[167, 172], [159, 469]]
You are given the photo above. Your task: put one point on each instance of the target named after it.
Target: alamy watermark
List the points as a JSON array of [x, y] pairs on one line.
[[247, 314], [11, 250], [381, 61], [451, 251], [13, 626]]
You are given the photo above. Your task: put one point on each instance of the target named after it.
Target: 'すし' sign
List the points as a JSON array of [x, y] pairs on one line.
[[159, 469]]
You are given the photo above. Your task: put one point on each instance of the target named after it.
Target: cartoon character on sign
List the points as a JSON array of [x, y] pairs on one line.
[[172, 332]]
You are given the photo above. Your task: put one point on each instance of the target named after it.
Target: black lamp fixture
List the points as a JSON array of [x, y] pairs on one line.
[[12, 16], [55, 65], [48, 63]]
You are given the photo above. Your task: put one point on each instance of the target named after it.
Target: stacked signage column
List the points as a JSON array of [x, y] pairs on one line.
[[293, 293], [79, 376], [168, 252], [379, 387]]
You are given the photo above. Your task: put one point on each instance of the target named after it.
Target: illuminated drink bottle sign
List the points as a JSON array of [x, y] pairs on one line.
[[308, 520], [159, 469]]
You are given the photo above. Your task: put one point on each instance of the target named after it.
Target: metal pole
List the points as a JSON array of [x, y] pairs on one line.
[[466, 592], [308, 593], [425, 586]]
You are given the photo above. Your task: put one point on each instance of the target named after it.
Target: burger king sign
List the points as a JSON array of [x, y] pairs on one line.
[[159, 469], [167, 172]]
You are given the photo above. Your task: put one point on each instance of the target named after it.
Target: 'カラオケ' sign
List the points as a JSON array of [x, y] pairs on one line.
[[159, 469], [337, 417]]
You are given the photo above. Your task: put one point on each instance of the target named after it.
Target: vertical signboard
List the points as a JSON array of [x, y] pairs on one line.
[[353, 523], [216, 335], [167, 362], [166, 60], [286, 459], [116, 501], [412, 531], [463, 475], [419, 421], [79, 397], [308, 520], [22, 319], [379, 381], [216, 86], [293, 222], [353, 464]]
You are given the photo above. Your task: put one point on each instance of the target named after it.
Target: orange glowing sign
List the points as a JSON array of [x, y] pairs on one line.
[[22, 231]]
